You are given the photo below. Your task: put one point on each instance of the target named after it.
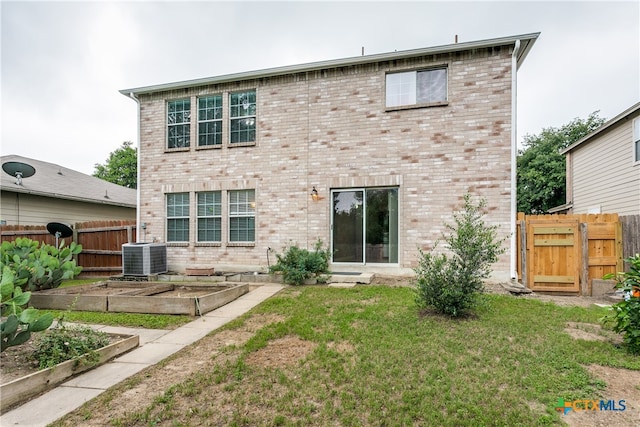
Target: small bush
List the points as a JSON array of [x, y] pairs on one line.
[[60, 344], [451, 283], [298, 265], [625, 315]]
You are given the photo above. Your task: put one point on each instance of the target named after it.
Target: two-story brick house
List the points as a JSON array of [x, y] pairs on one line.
[[370, 154]]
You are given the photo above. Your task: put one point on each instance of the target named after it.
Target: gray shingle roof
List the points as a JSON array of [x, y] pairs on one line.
[[526, 40], [51, 180]]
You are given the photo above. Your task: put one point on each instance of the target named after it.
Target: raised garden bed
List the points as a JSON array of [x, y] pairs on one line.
[[193, 299], [24, 388]]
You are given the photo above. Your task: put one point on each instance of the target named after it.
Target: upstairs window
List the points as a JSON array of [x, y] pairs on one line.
[[209, 216], [210, 121], [242, 114], [636, 139], [416, 88], [178, 123], [178, 217], [242, 216]]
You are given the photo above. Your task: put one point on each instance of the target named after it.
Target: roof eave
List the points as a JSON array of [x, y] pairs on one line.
[[71, 198], [605, 126], [528, 39]]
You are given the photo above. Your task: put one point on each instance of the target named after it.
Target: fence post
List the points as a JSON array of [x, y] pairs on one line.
[[129, 234], [584, 272], [523, 252], [619, 247]]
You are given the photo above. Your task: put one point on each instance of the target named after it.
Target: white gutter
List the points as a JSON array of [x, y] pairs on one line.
[[514, 150], [138, 181]]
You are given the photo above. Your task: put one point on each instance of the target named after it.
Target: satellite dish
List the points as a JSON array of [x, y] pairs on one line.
[[19, 170], [59, 229]]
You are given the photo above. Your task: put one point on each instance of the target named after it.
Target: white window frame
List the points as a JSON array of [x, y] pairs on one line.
[[218, 120], [182, 215], [216, 213], [251, 120], [404, 87], [239, 209], [186, 122]]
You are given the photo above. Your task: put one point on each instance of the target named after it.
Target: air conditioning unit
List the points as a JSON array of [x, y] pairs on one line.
[[143, 259]]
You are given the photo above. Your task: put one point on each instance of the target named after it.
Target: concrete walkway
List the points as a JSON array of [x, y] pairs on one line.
[[155, 345]]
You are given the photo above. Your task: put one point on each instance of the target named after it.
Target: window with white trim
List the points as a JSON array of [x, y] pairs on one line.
[[242, 216], [242, 116], [636, 139], [178, 217], [178, 123], [209, 216], [210, 120], [417, 88]]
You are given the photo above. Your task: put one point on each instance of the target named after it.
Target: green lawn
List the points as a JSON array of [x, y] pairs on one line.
[[377, 361]]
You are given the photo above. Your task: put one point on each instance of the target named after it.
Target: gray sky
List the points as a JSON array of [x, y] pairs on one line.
[[62, 63]]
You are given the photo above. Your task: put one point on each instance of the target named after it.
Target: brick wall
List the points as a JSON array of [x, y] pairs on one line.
[[329, 129]]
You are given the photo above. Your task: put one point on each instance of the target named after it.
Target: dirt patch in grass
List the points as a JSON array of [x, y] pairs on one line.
[[621, 384], [592, 332], [281, 353]]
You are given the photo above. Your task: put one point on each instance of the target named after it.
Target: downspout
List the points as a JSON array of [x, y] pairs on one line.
[[514, 150], [138, 228]]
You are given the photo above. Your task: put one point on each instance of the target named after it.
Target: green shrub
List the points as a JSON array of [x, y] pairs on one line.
[[625, 315], [38, 266], [60, 344], [298, 265], [451, 282]]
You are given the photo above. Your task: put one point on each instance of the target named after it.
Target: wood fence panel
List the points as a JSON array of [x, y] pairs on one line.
[[101, 243], [33, 232], [630, 237]]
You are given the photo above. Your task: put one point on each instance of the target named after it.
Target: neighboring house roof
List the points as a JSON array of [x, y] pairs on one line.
[[51, 180], [526, 43], [625, 115]]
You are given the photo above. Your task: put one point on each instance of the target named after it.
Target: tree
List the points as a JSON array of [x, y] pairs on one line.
[[121, 167], [451, 283], [541, 168]]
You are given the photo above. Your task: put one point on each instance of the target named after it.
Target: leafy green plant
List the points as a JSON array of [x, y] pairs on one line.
[[60, 344], [625, 315], [18, 322], [451, 282], [39, 266], [298, 265]]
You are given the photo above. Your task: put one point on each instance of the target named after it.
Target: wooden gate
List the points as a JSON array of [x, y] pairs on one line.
[[554, 257], [563, 253]]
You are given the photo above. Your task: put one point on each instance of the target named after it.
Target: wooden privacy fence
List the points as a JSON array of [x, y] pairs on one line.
[[101, 243], [563, 253]]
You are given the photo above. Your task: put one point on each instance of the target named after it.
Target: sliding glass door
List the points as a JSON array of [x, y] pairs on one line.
[[365, 225]]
